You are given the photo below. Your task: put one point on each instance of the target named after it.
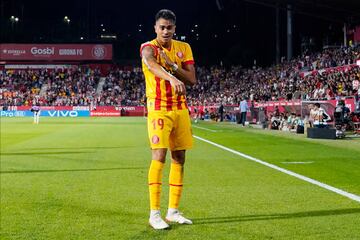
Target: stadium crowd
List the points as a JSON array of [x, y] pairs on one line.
[[288, 80], [283, 81], [74, 86], [123, 87]]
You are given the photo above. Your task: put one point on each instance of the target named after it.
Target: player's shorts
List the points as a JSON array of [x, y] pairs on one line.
[[170, 129]]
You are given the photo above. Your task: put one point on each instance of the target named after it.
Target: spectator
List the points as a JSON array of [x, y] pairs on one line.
[[243, 110]]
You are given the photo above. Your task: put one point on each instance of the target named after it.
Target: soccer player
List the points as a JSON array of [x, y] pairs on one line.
[[35, 109], [167, 65]]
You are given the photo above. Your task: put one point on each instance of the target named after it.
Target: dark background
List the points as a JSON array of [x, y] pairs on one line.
[[231, 31]]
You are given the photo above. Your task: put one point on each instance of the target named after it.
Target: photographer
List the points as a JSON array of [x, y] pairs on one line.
[[320, 116], [357, 104], [342, 114]]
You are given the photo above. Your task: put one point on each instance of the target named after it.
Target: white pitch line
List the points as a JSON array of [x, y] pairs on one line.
[[297, 162], [207, 129], [310, 180]]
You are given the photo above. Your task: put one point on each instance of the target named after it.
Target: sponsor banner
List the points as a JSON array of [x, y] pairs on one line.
[[117, 111], [201, 111], [131, 111], [61, 52], [104, 114], [15, 114], [106, 109], [46, 113], [278, 103], [78, 108], [295, 106], [46, 108], [65, 113], [37, 66]]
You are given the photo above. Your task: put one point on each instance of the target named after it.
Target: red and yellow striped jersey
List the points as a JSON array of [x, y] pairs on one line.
[[160, 95]]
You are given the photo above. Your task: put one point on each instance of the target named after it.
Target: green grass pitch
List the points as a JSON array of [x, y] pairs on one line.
[[86, 178]]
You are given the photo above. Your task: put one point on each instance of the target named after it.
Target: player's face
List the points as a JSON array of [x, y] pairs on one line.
[[165, 30]]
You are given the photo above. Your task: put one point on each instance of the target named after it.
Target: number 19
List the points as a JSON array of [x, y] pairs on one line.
[[159, 122]]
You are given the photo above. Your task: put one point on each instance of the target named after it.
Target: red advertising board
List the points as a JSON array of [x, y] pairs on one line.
[[47, 108], [104, 114], [131, 111], [296, 106], [55, 52], [105, 111]]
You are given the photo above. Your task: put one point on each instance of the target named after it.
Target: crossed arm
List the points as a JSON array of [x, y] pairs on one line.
[[182, 76]]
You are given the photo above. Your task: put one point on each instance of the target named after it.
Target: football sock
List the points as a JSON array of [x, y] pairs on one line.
[[176, 184], [154, 180]]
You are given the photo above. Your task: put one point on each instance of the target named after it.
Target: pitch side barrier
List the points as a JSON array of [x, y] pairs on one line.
[[46, 113], [298, 107], [295, 106], [74, 111]]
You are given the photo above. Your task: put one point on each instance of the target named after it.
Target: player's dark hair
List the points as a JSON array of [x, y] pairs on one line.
[[317, 104], [166, 14]]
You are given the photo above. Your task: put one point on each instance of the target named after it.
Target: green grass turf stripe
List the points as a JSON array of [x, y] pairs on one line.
[[310, 180]]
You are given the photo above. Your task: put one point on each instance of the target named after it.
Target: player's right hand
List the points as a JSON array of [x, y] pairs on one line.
[[178, 86]]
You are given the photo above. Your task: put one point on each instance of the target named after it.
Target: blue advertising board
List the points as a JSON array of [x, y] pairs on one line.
[[47, 113]]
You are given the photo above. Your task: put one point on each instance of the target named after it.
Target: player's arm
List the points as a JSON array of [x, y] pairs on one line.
[[185, 74], [148, 54]]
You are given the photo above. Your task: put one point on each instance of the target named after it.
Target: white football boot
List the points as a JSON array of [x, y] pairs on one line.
[[156, 221], [173, 215]]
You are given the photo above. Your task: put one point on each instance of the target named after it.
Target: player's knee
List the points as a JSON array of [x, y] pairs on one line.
[[159, 154], [178, 157]]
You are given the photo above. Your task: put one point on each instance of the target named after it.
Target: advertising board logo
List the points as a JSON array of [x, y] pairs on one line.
[[12, 113], [42, 51], [98, 52], [14, 52], [59, 113]]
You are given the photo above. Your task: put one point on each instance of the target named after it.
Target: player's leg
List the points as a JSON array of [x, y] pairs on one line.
[[34, 117], [155, 181], [176, 176], [175, 189], [37, 117], [243, 118], [155, 177], [180, 140], [159, 128]]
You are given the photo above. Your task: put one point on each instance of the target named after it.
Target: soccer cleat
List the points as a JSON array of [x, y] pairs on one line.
[[156, 221], [175, 216]]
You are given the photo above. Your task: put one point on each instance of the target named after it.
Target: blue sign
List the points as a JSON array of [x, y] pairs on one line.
[[47, 113]]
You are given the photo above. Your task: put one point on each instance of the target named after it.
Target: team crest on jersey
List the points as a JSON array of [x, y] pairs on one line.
[[180, 54], [155, 139]]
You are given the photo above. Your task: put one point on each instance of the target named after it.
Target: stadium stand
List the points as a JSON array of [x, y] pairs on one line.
[[326, 75]]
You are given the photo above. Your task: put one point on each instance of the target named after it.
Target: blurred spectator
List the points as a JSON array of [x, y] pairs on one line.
[[217, 84]]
